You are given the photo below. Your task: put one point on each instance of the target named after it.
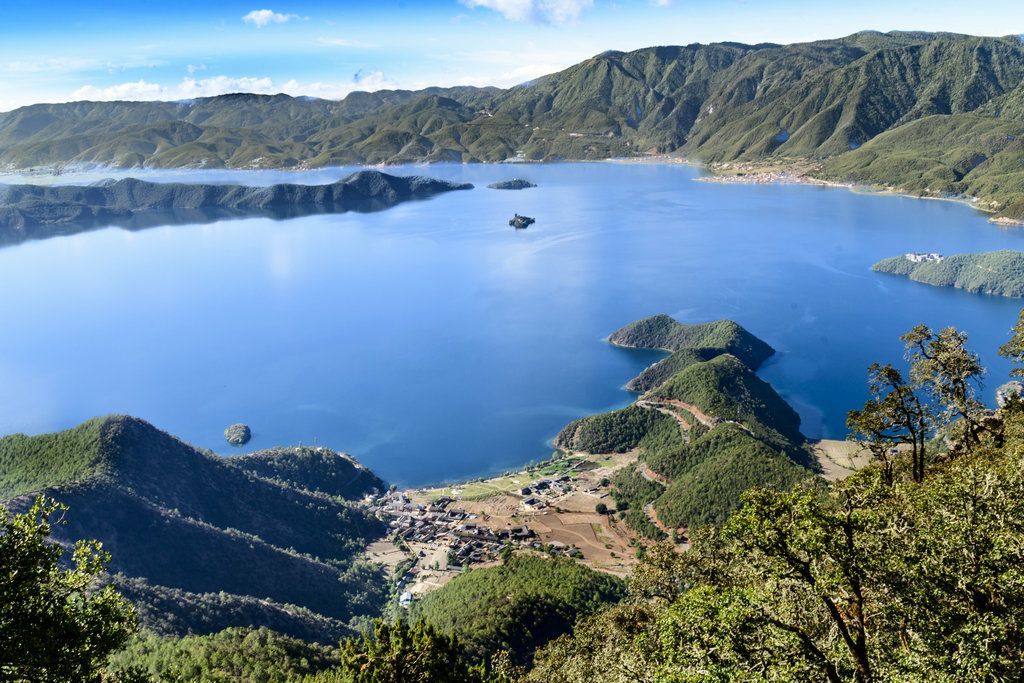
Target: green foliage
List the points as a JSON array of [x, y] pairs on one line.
[[399, 652], [235, 654], [871, 581], [894, 416], [1014, 348], [32, 463], [56, 625], [660, 372], [632, 493], [615, 432], [882, 577], [994, 272], [713, 472], [169, 611], [518, 605]]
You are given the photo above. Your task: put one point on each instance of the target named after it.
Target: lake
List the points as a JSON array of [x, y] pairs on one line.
[[434, 343]]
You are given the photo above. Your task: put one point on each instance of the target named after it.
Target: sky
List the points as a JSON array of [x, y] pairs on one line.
[[67, 50]]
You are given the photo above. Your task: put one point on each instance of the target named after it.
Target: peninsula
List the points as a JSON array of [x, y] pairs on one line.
[[33, 211], [994, 272]]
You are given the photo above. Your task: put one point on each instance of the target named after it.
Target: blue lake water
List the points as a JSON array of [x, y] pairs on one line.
[[434, 342]]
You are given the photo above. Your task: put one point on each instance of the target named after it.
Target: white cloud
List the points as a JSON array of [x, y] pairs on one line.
[[263, 17], [543, 11], [190, 88], [192, 68]]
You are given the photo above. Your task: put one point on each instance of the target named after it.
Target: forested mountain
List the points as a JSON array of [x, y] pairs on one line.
[[864, 102], [202, 542]]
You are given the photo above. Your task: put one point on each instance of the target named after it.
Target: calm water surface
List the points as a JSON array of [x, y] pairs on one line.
[[434, 342]]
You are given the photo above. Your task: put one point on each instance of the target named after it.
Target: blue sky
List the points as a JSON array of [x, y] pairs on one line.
[[63, 50]]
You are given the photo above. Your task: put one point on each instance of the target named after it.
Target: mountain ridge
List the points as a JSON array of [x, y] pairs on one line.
[[193, 523], [720, 102]]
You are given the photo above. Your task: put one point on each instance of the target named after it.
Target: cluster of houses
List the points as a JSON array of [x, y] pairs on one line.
[[921, 257], [538, 495], [441, 522]]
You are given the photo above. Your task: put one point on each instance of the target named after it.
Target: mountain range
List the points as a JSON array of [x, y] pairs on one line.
[[930, 113]]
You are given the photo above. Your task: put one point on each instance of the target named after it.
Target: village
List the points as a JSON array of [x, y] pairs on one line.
[[436, 534]]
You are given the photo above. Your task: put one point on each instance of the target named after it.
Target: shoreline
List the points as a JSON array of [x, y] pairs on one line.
[[752, 173], [782, 175]]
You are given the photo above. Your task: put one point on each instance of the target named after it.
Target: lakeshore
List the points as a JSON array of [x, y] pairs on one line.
[[437, 533]]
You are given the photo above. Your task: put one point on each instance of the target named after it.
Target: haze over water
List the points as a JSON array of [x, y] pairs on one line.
[[433, 342]]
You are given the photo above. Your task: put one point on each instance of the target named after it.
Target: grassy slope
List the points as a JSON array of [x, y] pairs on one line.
[[994, 272], [519, 605]]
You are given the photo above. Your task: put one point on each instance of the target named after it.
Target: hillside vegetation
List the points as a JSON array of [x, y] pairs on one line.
[[235, 654], [933, 113], [191, 525], [994, 272], [519, 605], [706, 426], [31, 463], [908, 570]]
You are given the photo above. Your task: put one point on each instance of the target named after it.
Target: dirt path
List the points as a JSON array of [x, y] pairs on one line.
[[650, 475], [699, 414]]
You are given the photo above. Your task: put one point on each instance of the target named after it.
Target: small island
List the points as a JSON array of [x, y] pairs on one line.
[[514, 184], [520, 222], [31, 211], [238, 434], [1000, 273]]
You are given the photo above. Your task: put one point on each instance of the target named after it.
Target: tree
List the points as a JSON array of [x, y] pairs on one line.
[[399, 653], [893, 416], [56, 624], [601, 509], [941, 364], [1014, 348]]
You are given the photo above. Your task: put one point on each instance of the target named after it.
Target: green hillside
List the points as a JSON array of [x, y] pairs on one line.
[[995, 272], [728, 390], [705, 424], [31, 463], [615, 432], [234, 654], [314, 469], [823, 100], [937, 156], [191, 523], [519, 605], [710, 473], [705, 339]]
